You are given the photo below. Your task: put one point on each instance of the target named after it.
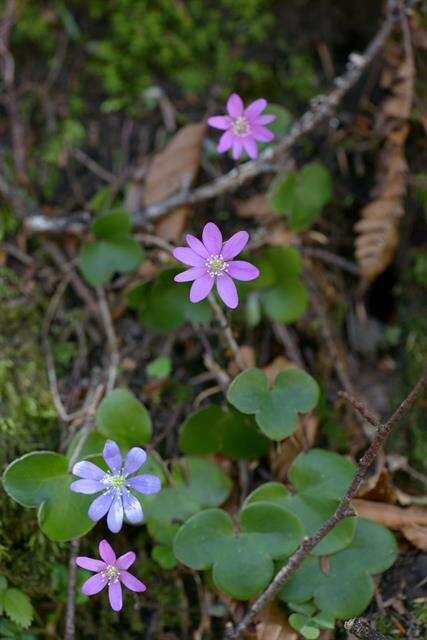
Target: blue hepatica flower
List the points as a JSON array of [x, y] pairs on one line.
[[116, 497]]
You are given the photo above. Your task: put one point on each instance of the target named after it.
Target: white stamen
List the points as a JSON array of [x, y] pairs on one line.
[[216, 265]]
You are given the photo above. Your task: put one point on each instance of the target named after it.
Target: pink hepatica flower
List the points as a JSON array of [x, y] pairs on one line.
[[211, 261], [110, 571], [243, 127], [115, 485]]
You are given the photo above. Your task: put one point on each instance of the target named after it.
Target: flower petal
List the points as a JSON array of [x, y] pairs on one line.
[[190, 274], [131, 582], [265, 119], [135, 458], [219, 122], [115, 595], [212, 238], [235, 105], [88, 470], [255, 108], [146, 484], [90, 564], [115, 514], [235, 245], [112, 455], [242, 270], [237, 148], [262, 133], [126, 560], [188, 256], [94, 584], [197, 246], [227, 291], [106, 552], [100, 506], [225, 141], [87, 486], [250, 147], [201, 288], [132, 508]]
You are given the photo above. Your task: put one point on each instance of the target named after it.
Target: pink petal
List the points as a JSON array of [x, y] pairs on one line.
[[250, 147], [255, 108], [106, 552], [135, 458], [90, 564], [235, 105], [190, 274], [197, 246], [188, 256], [115, 595], [94, 584], [126, 560], [242, 270], [262, 133], [219, 122], [235, 245], [212, 238], [201, 288], [88, 470], [87, 486], [237, 148], [131, 582], [265, 119], [225, 141], [227, 291]]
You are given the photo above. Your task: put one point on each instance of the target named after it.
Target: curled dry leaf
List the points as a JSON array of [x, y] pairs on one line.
[[411, 522], [417, 535], [273, 625]]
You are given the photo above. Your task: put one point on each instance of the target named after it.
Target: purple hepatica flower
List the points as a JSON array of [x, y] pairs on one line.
[[110, 571], [243, 127], [116, 497], [211, 262]]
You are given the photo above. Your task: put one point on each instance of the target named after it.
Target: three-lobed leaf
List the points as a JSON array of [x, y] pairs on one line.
[[123, 418]]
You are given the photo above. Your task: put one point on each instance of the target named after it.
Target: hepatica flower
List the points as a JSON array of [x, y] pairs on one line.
[[110, 571], [243, 128], [115, 485], [211, 262]]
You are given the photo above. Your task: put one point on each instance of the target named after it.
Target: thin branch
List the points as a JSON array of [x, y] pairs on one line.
[[111, 337], [363, 630], [226, 329], [342, 511], [71, 591]]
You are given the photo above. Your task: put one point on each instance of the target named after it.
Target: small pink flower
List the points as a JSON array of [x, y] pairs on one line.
[[110, 571], [243, 127], [211, 261]]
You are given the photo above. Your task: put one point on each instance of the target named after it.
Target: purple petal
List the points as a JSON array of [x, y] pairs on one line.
[[242, 270], [190, 274], [197, 246], [255, 108], [145, 483], [100, 506], [250, 147], [219, 122], [225, 141], [131, 582], [106, 552], [88, 470], [125, 561], [235, 105], [90, 564], [265, 119], [132, 508], [112, 455], [87, 486], [201, 288], [188, 256], [115, 595], [115, 515], [262, 133], [227, 291], [237, 148], [235, 245], [135, 458], [212, 238], [95, 584]]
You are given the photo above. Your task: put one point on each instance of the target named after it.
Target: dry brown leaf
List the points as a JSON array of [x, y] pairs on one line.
[[273, 625], [390, 515], [417, 535]]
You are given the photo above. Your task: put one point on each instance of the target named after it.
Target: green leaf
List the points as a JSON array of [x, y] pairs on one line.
[[303, 624], [201, 433], [248, 390], [276, 531], [3, 583], [321, 473], [286, 302], [123, 418], [324, 620], [241, 438], [41, 479], [160, 368], [202, 538], [112, 226], [100, 260], [164, 556], [18, 607]]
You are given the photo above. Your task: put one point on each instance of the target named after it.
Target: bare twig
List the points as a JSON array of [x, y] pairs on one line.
[[111, 337], [226, 329], [363, 630], [343, 510], [71, 591], [93, 166]]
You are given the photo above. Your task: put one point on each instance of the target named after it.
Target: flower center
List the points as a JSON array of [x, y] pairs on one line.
[[112, 573], [114, 482], [241, 127], [216, 265]]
